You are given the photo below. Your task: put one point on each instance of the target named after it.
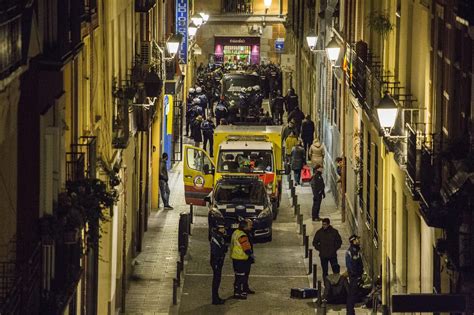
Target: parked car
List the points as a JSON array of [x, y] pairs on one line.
[[236, 198]]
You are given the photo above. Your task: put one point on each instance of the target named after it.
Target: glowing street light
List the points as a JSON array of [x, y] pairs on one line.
[[192, 30], [311, 39], [197, 19], [387, 111], [332, 50]]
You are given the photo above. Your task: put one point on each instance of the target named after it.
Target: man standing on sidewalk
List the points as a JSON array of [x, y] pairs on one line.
[[218, 250], [317, 186], [163, 181], [327, 241], [355, 269], [242, 258]]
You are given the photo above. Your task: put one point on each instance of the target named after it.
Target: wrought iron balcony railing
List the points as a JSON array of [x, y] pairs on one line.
[[19, 284], [11, 46], [81, 161], [237, 7]]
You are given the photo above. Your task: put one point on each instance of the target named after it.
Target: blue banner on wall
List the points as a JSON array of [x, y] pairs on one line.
[[182, 28]]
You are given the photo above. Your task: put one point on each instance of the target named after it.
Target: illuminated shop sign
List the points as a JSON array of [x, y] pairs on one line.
[[182, 28]]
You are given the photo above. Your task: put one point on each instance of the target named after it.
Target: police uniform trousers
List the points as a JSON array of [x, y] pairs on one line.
[[242, 272], [352, 295], [216, 264]]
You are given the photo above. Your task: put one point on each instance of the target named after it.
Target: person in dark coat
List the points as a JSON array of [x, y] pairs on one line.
[[197, 133], [317, 186], [218, 250], [276, 107], [297, 116], [207, 127], [163, 182], [297, 161], [291, 100], [327, 241], [335, 287], [307, 133], [355, 269]]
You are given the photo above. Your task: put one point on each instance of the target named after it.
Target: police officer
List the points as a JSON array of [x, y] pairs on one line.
[[244, 102], [221, 110], [277, 108], [203, 101], [207, 127], [242, 259], [218, 250], [355, 269]]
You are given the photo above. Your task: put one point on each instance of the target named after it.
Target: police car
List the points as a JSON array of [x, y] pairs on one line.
[[235, 198]]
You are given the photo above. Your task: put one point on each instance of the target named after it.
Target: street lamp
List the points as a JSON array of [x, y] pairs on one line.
[[311, 39], [192, 30], [267, 4], [197, 19], [173, 44], [204, 16], [387, 111], [332, 50]]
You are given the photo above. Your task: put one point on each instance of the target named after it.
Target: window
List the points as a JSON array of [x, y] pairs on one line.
[[197, 160], [368, 183]]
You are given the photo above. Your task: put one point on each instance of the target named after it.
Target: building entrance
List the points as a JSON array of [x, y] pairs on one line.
[[237, 50]]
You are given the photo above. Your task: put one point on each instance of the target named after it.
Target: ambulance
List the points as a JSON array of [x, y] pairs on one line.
[[238, 151]]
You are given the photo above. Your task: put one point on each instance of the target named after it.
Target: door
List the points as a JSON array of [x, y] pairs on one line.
[[198, 175]]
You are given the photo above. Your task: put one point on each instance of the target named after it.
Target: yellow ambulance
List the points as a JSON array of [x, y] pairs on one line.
[[238, 150]]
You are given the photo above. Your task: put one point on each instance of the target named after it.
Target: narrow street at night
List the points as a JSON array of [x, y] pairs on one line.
[[259, 157]]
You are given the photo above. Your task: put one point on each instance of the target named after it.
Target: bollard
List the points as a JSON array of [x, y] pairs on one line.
[[178, 273], [181, 258], [295, 200], [191, 213], [304, 231], [306, 245], [290, 182], [296, 209], [315, 275], [293, 192], [310, 261], [300, 222], [175, 292], [319, 293]]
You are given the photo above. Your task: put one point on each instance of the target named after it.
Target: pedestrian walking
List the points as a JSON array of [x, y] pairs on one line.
[[277, 108], [317, 186], [207, 127], [316, 153], [196, 131], [297, 161], [242, 259], [327, 241], [291, 100], [163, 182], [297, 116], [218, 250], [355, 269], [307, 133]]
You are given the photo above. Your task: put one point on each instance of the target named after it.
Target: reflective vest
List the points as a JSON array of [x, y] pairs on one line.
[[236, 250]]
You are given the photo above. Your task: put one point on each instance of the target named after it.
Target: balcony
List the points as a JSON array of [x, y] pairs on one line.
[[11, 51], [413, 162], [121, 117], [144, 6], [19, 284], [244, 7], [81, 161]]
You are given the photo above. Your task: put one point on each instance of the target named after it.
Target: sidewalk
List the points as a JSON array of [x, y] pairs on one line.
[[328, 210], [151, 283]]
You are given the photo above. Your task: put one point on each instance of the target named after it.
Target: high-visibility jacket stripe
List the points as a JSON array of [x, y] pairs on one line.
[[237, 252]]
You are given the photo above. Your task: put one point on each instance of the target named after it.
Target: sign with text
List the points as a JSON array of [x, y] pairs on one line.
[[280, 44], [182, 8]]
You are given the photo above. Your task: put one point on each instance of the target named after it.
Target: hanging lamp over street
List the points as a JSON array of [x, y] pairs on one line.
[[333, 49], [312, 40], [387, 111]]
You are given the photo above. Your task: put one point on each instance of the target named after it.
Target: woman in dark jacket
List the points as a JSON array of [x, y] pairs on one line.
[[297, 161]]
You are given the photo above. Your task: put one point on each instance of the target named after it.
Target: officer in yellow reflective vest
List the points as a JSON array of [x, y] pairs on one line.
[[241, 252]]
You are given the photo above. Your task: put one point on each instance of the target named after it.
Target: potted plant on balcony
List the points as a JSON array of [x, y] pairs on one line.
[[71, 218], [95, 200], [380, 22]]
